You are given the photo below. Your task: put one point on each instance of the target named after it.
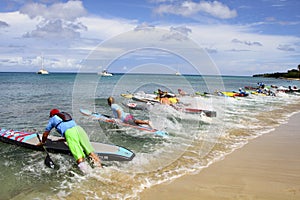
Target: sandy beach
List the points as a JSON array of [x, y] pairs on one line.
[[268, 167]]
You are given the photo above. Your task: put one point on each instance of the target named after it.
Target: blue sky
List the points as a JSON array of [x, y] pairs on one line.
[[240, 37]]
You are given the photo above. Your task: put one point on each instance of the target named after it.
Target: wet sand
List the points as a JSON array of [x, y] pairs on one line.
[[266, 168]]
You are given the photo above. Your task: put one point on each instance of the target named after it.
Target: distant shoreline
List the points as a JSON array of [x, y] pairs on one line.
[[290, 79], [293, 74]]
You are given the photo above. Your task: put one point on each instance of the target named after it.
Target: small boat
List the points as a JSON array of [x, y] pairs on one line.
[[177, 73], [42, 71], [105, 73]]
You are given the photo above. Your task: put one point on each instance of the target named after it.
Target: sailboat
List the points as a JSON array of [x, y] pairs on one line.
[[105, 73], [42, 71], [177, 72]]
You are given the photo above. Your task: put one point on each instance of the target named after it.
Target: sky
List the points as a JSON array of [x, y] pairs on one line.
[[238, 37]]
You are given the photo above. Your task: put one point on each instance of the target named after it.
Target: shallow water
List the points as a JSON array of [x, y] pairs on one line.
[[195, 141]]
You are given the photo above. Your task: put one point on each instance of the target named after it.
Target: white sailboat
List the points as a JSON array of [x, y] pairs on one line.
[[177, 72], [105, 73], [42, 71]]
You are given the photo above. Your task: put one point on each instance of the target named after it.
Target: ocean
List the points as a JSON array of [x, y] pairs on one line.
[[195, 141]]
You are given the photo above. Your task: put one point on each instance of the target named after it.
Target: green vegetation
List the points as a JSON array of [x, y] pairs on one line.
[[294, 73]]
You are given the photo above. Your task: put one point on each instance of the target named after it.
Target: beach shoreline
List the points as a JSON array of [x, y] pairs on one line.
[[268, 167]]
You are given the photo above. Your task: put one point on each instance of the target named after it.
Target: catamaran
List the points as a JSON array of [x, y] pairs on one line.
[[42, 71]]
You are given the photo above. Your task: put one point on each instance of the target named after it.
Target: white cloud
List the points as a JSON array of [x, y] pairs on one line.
[[102, 28], [3, 24], [248, 43], [68, 11], [235, 49], [18, 25], [189, 8], [56, 29], [179, 33], [285, 47], [246, 54], [60, 20], [182, 29], [26, 37], [144, 26]]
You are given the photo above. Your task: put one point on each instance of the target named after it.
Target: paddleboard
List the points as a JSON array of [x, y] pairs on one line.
[[144, 106], [128, 96], [203, 94], [208, 113], [234, 94], [107, 119], [54, 144], [142, 97], [138, 106]]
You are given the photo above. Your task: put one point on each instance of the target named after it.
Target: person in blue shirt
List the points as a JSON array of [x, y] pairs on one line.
[[243, 92], [75, 136], [127, 118]]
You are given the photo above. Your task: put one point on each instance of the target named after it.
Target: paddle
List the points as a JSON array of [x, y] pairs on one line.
[[107, 116], [48, 161]]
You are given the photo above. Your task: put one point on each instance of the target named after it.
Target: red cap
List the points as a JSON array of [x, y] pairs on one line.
[[53, 112]]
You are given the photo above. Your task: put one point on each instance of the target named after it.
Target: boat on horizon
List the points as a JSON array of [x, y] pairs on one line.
[[105, 73], [178, 73], [42, 70]]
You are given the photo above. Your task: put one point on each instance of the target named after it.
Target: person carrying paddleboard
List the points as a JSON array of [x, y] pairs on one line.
[[75, 136], [127, 118]]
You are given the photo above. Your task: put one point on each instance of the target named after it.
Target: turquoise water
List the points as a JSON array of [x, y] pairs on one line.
[[195, 141]]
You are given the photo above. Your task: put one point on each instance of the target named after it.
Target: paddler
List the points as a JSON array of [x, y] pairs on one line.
[[166, 98], [181, 92], [76, 137], [127, 118], [162, 94]]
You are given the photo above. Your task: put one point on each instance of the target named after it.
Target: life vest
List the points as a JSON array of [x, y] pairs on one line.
[[64, 116], [173, 100]]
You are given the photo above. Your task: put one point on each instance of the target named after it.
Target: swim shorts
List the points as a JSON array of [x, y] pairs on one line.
[[129, 119]]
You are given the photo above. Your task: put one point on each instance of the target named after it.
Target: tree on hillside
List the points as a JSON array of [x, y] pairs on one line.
[[299, 68]]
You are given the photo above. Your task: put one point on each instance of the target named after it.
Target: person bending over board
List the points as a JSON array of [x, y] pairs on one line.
[[127, 118], [76, 137]]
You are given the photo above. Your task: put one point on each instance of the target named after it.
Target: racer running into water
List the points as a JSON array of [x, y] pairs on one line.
[[75, 136], [127, 118], [166, 98]]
